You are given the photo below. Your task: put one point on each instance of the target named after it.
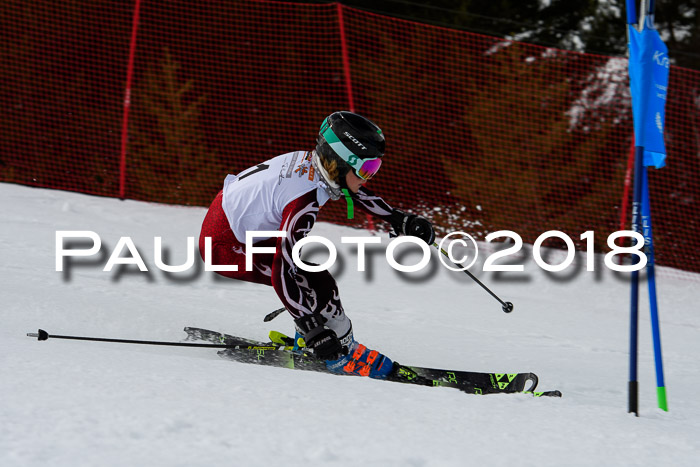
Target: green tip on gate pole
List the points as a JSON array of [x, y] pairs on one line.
[[661, 396]]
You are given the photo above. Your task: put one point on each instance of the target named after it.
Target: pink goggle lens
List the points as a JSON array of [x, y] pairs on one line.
[[369, 169]]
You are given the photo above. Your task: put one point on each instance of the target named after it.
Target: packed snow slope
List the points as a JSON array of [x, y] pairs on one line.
[[72, 403]]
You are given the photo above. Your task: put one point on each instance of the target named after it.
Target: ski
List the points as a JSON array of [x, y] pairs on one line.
[[273, 354]]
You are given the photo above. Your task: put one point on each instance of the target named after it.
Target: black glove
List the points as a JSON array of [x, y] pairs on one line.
[[321, 339], [411, 224]]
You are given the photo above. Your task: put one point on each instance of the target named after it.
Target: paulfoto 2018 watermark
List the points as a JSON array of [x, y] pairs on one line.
[[463, 261]]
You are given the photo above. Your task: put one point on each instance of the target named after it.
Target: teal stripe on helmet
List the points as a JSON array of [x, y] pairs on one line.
[[339, 148]]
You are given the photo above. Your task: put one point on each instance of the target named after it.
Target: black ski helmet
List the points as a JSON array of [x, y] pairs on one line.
[[353, 141]]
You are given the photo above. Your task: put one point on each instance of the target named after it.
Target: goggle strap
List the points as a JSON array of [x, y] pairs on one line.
[[338, 147]]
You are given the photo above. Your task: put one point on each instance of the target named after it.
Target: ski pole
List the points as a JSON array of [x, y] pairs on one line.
[[43, 335], [507, 307]]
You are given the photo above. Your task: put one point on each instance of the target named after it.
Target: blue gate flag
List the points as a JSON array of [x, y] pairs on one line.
[[648, 70]]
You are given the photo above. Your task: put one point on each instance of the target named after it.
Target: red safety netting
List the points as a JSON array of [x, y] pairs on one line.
[[483, 134]]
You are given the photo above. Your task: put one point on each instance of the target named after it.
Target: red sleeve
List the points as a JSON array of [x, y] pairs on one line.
[[292, 288]]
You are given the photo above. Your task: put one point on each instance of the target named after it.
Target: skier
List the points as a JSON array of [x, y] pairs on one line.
[[285, 194]]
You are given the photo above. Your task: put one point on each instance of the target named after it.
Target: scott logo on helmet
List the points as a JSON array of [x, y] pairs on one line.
[[354, 140]]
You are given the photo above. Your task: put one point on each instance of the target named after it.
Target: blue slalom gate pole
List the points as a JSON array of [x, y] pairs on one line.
[[648, 70], [633, 385], [655, 328]]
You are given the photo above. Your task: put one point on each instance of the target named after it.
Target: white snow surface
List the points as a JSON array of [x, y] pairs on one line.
[[74, 403]]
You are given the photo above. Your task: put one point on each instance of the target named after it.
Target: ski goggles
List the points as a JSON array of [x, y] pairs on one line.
[[368, 168], [363, 168]]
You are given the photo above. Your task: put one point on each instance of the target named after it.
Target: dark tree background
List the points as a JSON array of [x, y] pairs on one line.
[[591, 26]]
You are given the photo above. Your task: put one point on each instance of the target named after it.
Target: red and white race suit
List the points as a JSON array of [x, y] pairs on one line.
[[281, 194]]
